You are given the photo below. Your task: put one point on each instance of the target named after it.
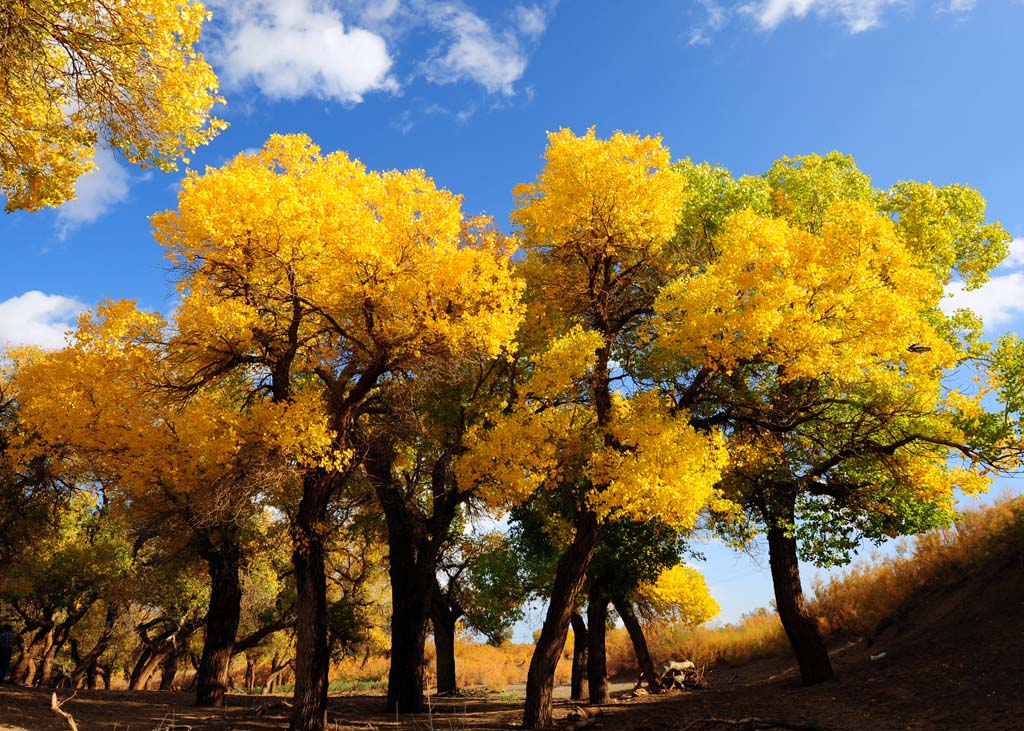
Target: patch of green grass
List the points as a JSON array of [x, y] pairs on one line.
[[349, 685]]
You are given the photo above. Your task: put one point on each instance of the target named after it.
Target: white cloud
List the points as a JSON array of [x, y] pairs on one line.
[[715, 18], [36, 318], [1001, 299], [294, 48], [959, 6], [474, 51], [857, 15], [97, 192], [531, 20]]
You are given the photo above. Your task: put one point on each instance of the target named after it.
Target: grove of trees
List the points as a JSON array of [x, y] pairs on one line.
[[287, 468]]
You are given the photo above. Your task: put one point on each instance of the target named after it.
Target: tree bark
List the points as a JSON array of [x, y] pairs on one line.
[[624, 607], [312, 655], [801, 626], [597, 659], [443, 618], [569, 577], [579, 655], [222, 617]]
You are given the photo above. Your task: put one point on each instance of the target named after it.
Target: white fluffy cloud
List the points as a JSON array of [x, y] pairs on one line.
[[294, 48], [474, 51], [36, 318], [97, 192], [856, 15], [1001, 299]]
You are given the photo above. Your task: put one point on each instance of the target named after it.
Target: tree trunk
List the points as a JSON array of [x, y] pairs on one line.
[[411, 591], [579, 655], [569, 577], [597, 660], [414, 543], [277, 672], [25, 669], [312, 655], [222, 617], [800, 625], [169, 669], [45, 672], [85, 667], [443, 619], [147, 665], [624, 607]]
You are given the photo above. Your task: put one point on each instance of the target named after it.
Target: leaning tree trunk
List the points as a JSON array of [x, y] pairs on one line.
[[597, 658], [579, 655], [222, 617], [636, 635], [569, 577], [443, 617], [146, 666], [85, 666], [800, 625], [312, 655]]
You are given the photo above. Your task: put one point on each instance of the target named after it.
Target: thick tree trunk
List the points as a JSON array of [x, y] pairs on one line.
[[25, 668], [414, 544], [222, 617], [624, 607], [443, 619], [312, 655], [569, 577], [579, 656], [801, 626], [412, 586], [597, 660]]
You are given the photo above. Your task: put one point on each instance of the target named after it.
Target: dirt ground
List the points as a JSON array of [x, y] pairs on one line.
[[923, 691], [954, 662]]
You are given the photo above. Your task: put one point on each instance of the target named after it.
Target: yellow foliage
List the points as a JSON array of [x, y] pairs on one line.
[[73, 72], [838, 303], [310, 260], [680, 594]]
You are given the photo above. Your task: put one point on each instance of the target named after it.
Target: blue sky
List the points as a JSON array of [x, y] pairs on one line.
[[921, 89]]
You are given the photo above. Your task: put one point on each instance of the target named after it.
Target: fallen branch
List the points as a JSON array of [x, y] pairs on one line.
[[55, 706], [752, 724]]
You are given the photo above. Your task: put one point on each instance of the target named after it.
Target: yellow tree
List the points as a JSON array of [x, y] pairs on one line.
[[595, 226], [811, 335], [315, 280], [75, 72], [188, 471]]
